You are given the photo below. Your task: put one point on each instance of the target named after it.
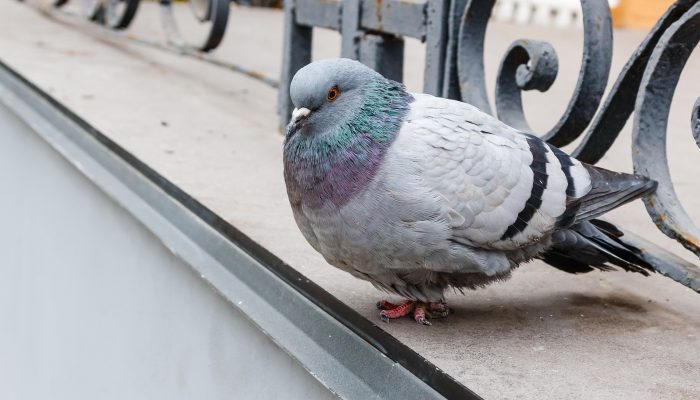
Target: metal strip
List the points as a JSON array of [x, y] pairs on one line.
[[319, 13], [350, 355], [396, 17]]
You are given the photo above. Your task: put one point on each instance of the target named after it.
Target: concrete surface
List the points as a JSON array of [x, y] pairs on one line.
[[543, 334]]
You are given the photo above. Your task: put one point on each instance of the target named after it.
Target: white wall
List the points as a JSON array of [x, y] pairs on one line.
[[555, 13], [92, 306]]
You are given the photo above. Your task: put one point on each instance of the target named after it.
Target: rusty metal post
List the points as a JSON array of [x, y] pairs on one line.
[[350, 29], [296, 54], [436, 32]]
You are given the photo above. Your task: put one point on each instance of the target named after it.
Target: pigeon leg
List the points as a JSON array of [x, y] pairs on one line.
[[421, 311], [419, 314], [398, 311], [386, 305]]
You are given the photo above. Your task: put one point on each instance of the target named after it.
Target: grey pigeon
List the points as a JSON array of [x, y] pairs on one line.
[[418, 194]]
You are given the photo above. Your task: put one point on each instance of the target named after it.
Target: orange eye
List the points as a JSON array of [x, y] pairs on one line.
[[333, 94]]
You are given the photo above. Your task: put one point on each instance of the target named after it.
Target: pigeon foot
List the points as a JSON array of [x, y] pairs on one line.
[[421, 311]]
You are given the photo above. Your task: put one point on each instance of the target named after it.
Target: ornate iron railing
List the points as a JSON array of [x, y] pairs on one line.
[[118, 15], [373, 31]]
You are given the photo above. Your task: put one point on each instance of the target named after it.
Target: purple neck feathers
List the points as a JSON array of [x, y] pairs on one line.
[[331, 167]]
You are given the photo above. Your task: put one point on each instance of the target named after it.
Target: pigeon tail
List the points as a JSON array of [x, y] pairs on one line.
[[610, 190], [591, 245]]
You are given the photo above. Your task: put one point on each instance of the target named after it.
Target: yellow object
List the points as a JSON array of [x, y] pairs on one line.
[[639, 13]]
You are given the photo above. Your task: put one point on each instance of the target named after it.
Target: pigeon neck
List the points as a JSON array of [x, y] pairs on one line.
[[333, 166]]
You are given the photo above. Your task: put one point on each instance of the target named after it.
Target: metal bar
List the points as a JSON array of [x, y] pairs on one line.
[[320, 13], [296, 53], [350, 30], [437, 16], [470, 53], [397, 17], [450, 81], [664, 262], [650, 128], [384, 54]]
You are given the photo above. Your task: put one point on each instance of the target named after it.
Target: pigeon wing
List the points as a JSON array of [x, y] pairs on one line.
[[502, 189]]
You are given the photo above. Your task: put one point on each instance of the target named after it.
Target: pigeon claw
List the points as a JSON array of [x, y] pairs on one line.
[[438, 309], [421, 311], [419, 315]]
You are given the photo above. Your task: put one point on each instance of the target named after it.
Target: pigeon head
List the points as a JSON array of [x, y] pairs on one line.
[[326, 93], [346, 117]]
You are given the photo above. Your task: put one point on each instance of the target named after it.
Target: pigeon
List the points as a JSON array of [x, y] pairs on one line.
[[420, 194]]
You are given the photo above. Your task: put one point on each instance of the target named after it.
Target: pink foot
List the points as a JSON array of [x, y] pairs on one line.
[[385, 305], [421, 311], [393, 311]]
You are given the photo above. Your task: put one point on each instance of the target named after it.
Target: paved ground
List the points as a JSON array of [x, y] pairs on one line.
[[543, 334]]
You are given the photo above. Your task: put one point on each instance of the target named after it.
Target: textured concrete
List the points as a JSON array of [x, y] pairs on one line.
[[543, 334]]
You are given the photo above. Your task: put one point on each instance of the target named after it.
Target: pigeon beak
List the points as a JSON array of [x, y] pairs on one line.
[[298, 117], [300, 113]]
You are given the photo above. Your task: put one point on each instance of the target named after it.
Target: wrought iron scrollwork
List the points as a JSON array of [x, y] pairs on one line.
[[533, 64], [213, 13], [115, 14], [528, 65], [650, 126], [118, 14], [620, 102], [91, 9]]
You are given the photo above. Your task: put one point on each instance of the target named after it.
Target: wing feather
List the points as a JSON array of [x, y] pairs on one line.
[[486, 172]]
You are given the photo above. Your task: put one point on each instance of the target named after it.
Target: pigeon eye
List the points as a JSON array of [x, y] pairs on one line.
[[333, 94]]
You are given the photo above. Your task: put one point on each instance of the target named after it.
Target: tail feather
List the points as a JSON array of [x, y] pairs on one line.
[[610, 190], [591, 245]]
